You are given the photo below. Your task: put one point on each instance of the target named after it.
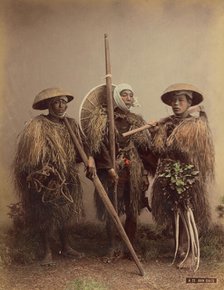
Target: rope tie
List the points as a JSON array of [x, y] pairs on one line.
[[39, 186]]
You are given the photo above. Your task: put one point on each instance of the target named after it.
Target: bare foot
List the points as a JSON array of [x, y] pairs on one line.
[[188, 264], [181, 254], [47, 260], [71, 253], [113, 254]]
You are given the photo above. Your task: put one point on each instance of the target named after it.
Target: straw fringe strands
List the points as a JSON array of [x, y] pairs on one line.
[[141, 139], [159, 134], [44, 141], [97, 128], [193, 138], [46, 175]]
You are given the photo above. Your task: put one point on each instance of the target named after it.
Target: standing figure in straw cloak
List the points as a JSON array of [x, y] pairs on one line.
[[46, 172], [131, 172], [186, 165]]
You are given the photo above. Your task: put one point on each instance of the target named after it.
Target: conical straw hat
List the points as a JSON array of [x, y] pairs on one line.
[[167, 94], [41, 100], [96, 97]]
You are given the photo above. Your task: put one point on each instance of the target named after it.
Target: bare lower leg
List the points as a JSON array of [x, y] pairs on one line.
[[183, 250], [47, 260], [182, 241]]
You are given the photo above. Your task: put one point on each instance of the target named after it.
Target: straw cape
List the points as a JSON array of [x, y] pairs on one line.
[[188, 140], [94, 123], [46, 176], [185, 168]]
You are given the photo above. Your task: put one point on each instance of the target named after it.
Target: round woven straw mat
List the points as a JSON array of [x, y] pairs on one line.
[[94, 98]]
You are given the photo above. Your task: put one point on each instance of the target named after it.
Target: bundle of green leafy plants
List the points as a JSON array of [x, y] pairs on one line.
[[177, 179]]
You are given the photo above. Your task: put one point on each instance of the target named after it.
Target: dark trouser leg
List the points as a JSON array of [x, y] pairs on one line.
[[114, 246], [131, 227], [101, 210], [131, 218], [111, 232]]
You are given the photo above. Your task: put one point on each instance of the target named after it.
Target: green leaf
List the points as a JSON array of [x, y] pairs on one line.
[[179, 182], [195, 172], [179, 190]]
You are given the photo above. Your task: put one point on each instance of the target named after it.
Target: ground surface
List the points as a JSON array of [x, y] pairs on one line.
[[20, 267], [122, 274]]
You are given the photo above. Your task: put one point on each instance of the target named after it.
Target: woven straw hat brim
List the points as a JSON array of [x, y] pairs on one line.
[[41, 100], [96, 97], [168, 93]]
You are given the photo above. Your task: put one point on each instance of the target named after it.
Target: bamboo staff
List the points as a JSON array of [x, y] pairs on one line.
[[151, 124], [105, 198], [131, 132], [110, 112]]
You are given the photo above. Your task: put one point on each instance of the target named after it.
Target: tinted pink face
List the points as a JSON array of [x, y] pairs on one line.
[[127, 97], [59, 106], [180, 104]]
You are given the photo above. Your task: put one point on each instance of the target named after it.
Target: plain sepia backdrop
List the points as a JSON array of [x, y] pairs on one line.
[[153, 43]]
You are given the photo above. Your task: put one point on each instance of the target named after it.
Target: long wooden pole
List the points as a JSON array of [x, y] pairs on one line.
[[102, 193], [110, 112]]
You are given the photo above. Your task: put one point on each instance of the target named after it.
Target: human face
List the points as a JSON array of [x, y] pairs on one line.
[[180, 104], [59, 106], [127, 97]]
